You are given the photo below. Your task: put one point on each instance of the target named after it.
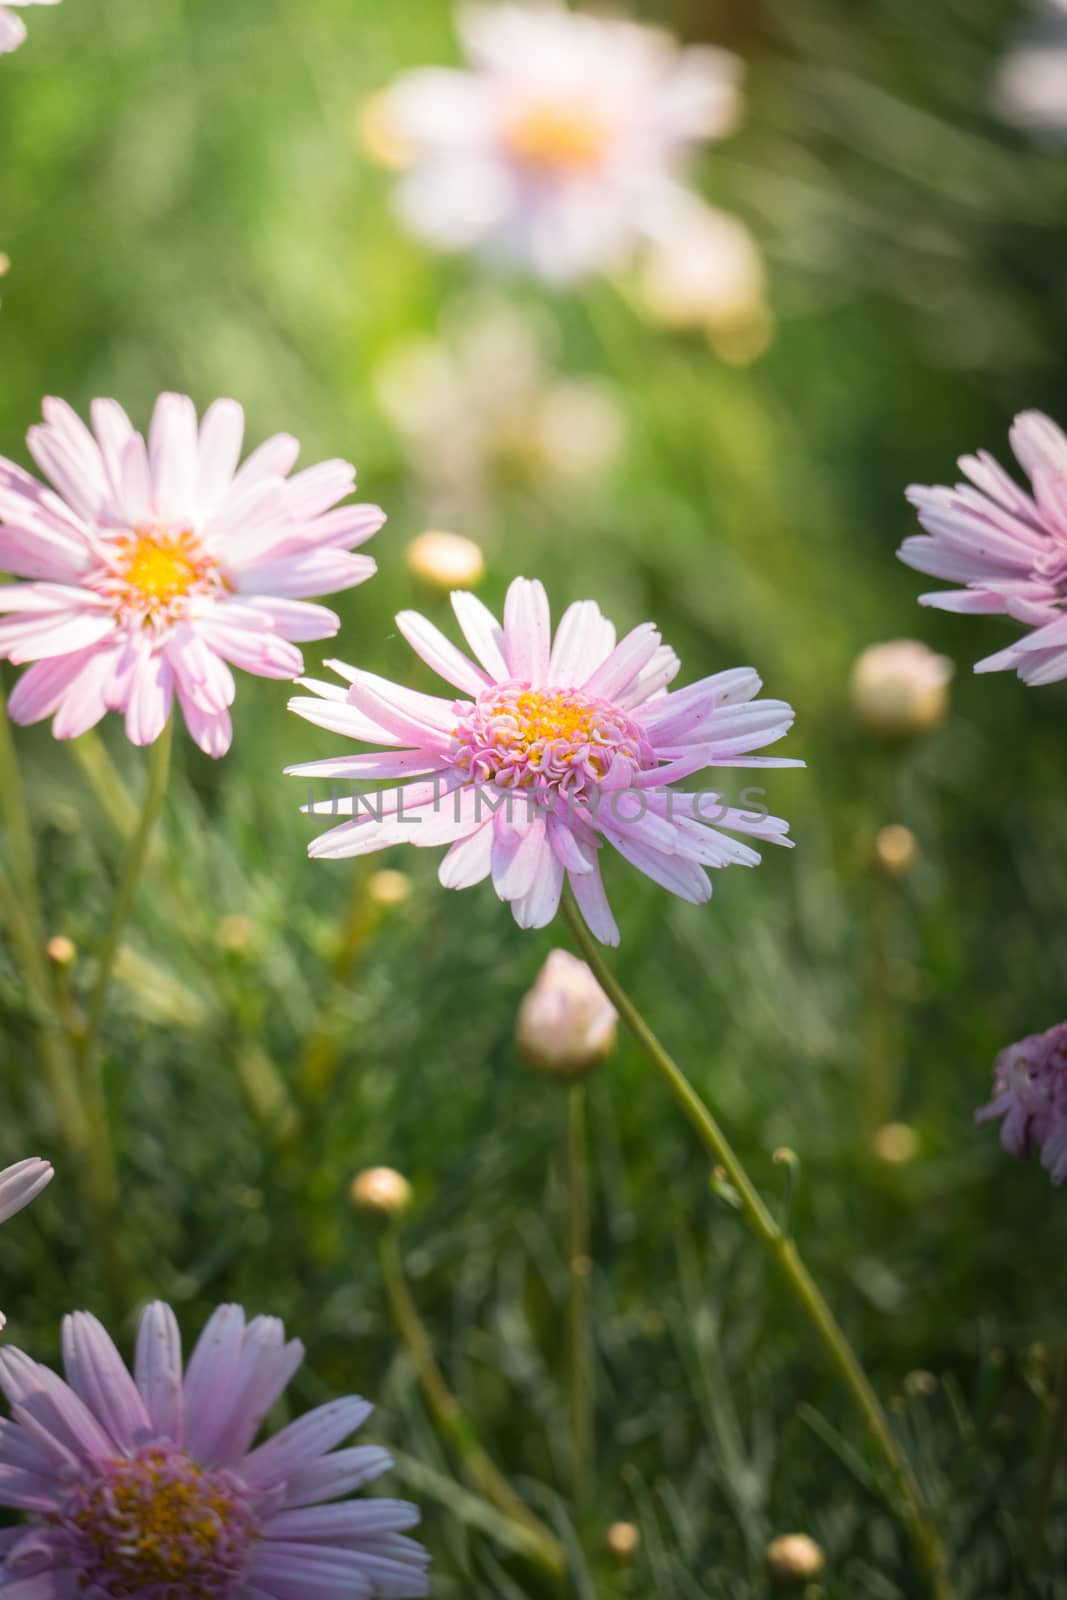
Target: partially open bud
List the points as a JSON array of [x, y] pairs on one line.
[[900, 689], [447, 560], [623, 1540], [794, 1560], [381, 1192], [566, 1023], [61, 951]]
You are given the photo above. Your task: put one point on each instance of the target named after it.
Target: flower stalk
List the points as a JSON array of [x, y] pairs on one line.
[[539, 1541], [783, 1250]]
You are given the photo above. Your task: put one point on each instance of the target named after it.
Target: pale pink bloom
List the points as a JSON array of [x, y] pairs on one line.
[[151, 1485], [1008, 547], [556, 747], [159, 565], [19, 1185], [12, 28], [562, 141], [1030, 1094]]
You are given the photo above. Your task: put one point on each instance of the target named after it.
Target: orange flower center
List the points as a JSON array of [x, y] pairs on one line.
[[558, 137]]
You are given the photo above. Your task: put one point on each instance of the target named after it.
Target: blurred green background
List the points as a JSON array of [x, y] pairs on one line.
[[185, 206]]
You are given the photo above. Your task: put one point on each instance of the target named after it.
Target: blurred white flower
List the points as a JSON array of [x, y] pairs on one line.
[[703, 269], [562, 139], [1030, 86], [485, 403]]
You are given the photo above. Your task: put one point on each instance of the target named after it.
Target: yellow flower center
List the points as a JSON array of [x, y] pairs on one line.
[[540, 714], [151, 573], [558, 137], [157, 1523], [160, 567], [518, 737]]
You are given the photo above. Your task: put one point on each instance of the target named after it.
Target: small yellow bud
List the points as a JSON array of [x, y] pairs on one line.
[[623, 1540], [5, 264], [900, 689], [381, 1192], [389, 888], [896, 1144], [60, 950], [447, 560], [794, 1560], [566, 1023], [896, 849]]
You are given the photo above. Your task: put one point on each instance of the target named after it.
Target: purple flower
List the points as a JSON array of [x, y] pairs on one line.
[[149, 1486], [22, 1183], [19, 1185], [557, 746], [1030, 1094], [1007, 547]]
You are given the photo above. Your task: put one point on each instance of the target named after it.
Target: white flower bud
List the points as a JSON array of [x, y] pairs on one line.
[[900, 689], [566, 1023], [382, 1193], [447, 560], [794, 1560]]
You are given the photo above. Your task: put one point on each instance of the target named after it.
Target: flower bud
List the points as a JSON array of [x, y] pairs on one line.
[[794, 1560], [381, 1192], [623, 1540], [896, 850], [900, 689], [61, 951], [896, 1144], [447, 560], [566, 1023], [388, 887]]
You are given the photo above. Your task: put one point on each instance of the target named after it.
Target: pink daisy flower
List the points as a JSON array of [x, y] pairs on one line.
[[157, 566], [556, 747], [12, 28], [19, 1185], [1030, 1096], [150, 1486], [1008, 547]]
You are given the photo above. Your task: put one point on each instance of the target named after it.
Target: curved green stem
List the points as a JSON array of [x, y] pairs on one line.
[[1051, 1456], [784, 1251]]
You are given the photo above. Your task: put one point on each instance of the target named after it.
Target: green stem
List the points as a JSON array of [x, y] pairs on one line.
[[1051, 1456], [540, 1542], [103, 1175], [784, 1251], [133, 866], [578, 1264]]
